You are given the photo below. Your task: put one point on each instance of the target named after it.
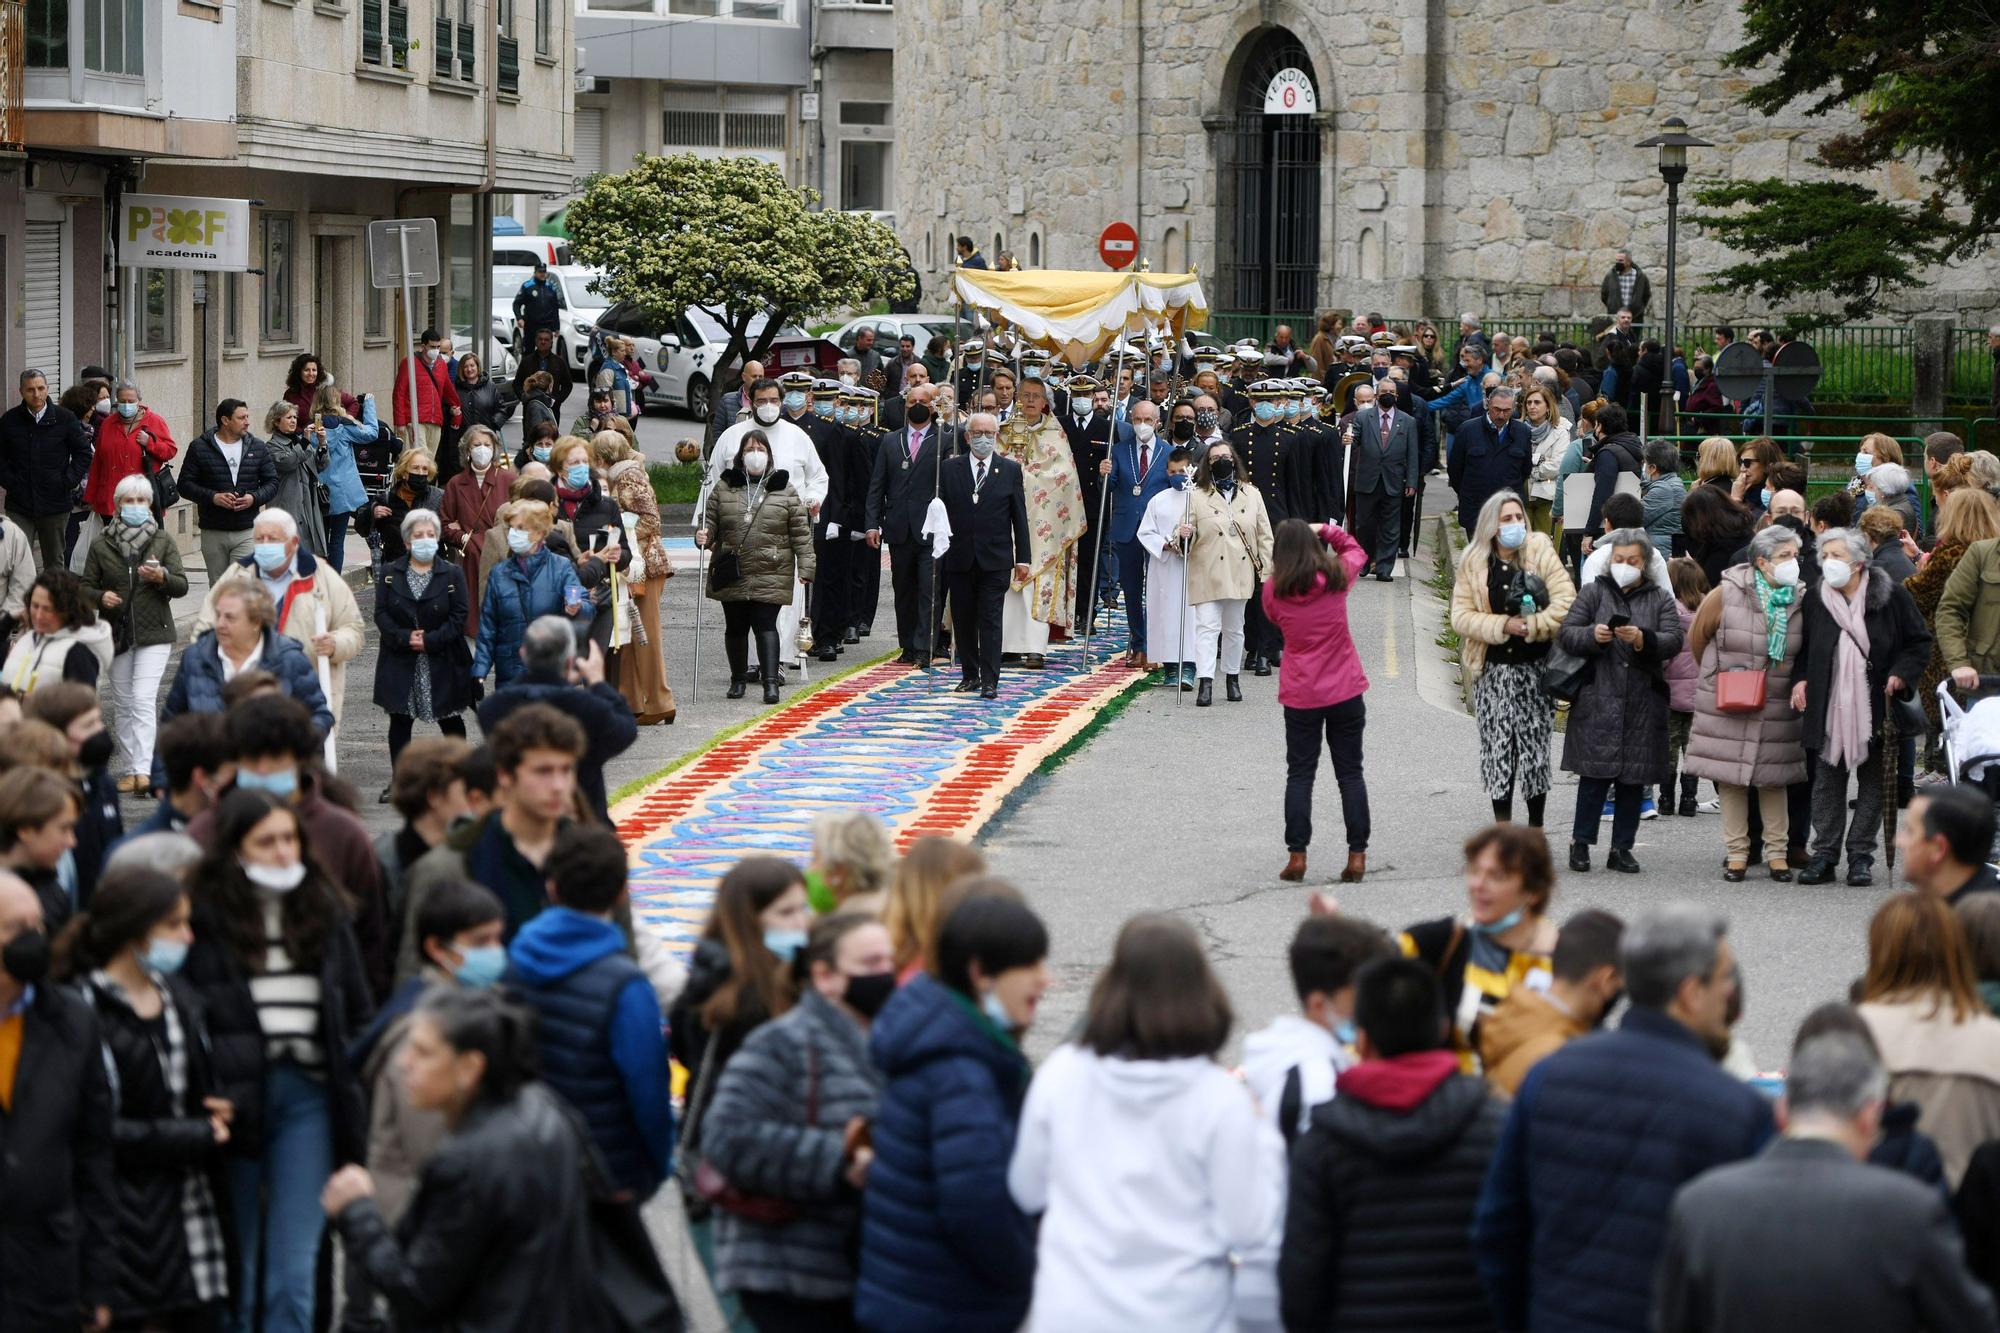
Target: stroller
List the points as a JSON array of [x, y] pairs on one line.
[[1972, 735]]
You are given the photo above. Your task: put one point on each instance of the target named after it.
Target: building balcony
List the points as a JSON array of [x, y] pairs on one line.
[[13, 126], [857, 26], [88, 76]]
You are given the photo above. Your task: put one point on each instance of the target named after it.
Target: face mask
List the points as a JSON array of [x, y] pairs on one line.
[[1513, 535], [280, 784], [95, 752], [103, 408], [755, 463], [278, 879], [1625, 575], [1785, 573], [26, 957], [270, 556], [1765, 496], [1505, 923], [1265, 412], [424, 550], [824, 408], [128, 410], [989, 1004], [518, 540], [164, 956], [1291, 409], [1177, 480], [136, 516], [982, 445], [1387, 402], [848, 380], [784, 943], [540, 453], [795, 401], [866, 995], [1344, 1032], [766, 413], [1837, 573], [918, 414], [430, 354], [482, 456], [1222, 469], [1183, 430], [1863, 464], [577, 475], [1207, 422], [1084, 411], [481, 967], [1144, 430]]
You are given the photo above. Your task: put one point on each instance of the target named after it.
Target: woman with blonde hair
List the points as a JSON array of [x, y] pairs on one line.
[[1507, 602], [1967, 515], [914, 913], [1920, 998], [298, 450], [1715, 462], [1549, 434], [413, 485], [851, 860], [643, 676], [529, 582], [341, 472]]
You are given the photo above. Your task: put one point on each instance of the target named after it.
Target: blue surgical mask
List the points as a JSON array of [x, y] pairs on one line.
[[137, 516], [128, 410], [540, 453], [1291, 409], [482, 966], [794, 401], [270, 556], [1513, 535], [1500, 927], [1344, 1032], [824, 408], [784, 943], [281, 783], [424, 549], [577, 475], [164, 956], [1265, 412], [1864, 463], [1177, 480], [1765, 496], [989, 1004], [518, 540]]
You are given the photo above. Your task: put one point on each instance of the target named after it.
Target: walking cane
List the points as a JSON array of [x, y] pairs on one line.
[[700, 584], [1180, 667], [1103, 496]]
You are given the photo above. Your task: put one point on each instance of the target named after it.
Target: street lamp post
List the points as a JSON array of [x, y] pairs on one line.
[[1673, 143]]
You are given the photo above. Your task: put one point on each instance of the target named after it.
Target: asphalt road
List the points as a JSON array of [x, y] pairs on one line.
[[1173, 808]]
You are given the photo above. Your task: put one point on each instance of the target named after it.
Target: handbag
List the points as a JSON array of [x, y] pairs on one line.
[[166, 494], [1907, 712], [1740, 691], [1564, 674]]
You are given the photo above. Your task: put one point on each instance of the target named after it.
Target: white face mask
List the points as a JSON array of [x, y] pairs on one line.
[[848, 380], [482, 455], [278, 879], [755, 463], [1144, 430], [1837, 573], [1785, 573], [1625, 575], [767, 413]]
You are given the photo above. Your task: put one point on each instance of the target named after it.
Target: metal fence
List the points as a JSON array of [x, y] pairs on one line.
[[1864, 362]]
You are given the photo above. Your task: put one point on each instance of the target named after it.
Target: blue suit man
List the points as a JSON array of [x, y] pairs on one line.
[[1138, 473]]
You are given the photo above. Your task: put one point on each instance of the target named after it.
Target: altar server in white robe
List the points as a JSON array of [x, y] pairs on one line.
[[1169, 618]]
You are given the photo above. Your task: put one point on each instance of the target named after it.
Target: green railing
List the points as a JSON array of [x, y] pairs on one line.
[[1864, 362]]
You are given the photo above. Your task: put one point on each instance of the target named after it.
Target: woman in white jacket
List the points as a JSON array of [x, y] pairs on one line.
[[1549, 434], [1149, 1162]]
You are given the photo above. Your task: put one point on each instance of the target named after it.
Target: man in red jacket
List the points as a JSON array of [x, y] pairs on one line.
[[437, 398]]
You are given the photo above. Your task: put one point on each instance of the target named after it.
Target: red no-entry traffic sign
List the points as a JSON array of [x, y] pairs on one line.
[[1119, 245]]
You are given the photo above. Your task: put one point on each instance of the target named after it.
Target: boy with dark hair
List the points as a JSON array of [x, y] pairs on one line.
[[601, 1040], [194, 751], [1530, 1025], [481, 779], [1407, 1126]]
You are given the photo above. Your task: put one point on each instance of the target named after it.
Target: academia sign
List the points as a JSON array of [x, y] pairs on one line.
[[180, 231]]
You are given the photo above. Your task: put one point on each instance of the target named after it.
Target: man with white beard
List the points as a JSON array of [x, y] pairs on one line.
[[791, 451]]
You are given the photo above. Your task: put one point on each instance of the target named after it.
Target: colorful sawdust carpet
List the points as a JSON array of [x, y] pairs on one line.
[[887, 739]]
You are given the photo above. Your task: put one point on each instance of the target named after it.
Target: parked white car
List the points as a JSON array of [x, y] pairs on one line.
[[889, 328], [682, 353]]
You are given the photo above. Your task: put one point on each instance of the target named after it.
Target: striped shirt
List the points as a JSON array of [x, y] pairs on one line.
[[287, 999]]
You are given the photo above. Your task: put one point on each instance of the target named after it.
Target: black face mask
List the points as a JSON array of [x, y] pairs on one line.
[[95, 752], [26, 957], [866, 995], [1183, 430], [918, 414], [1222, 469], [1387, 402]]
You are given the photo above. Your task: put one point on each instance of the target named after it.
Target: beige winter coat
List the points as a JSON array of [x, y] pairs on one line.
[[1475, 621], [1231, 549], [1950, 1069], [1745, 749]]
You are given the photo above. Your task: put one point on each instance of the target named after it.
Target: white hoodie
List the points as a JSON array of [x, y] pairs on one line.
[[1599, 560], [1148, 1173]]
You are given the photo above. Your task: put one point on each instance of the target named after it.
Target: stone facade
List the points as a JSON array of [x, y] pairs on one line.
[[1471, 156]]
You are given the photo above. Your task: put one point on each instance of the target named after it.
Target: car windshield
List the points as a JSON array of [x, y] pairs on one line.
[[711, 330], [507, 280], [576, 280]]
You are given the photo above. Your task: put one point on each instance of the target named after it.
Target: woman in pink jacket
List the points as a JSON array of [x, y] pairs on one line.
[[1320, 683]]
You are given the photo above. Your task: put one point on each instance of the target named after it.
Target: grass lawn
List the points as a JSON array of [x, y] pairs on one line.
[[675, 483]]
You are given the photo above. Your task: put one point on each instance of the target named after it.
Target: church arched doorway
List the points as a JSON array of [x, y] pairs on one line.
[[1268, 182]]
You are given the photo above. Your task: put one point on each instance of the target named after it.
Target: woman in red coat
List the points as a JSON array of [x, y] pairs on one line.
[[132, 439], [472, 500]]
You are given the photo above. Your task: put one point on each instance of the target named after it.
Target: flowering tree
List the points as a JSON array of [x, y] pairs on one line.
[[728, 236]]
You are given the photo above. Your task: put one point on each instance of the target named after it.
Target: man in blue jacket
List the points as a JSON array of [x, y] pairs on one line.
[[602, 1044], [1573, 1219], [1136, 472]]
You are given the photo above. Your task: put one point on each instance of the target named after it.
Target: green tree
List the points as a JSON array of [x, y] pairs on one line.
[[728, 236], [1922, 85]]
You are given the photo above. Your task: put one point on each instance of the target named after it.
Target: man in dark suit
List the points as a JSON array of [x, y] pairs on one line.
[[985, 498], [1083, 406], [900, 488], [1386, 461], [1137, 471], [1808, 1235]]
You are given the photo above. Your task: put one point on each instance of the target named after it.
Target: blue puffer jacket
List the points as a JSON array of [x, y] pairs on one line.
[[942, 1244], [344, 491], [197, 686], [1574, 1215], [520, 589]]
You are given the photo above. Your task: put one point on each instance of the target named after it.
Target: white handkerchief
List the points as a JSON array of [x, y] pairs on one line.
[[937, 526], [832, 530]]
